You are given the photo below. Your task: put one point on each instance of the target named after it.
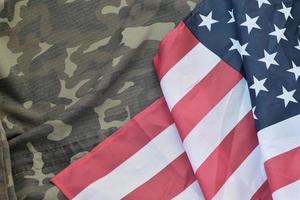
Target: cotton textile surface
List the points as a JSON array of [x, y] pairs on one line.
[[71, 73]]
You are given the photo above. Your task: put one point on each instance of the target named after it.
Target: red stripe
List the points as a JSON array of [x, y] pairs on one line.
[[120, 146], [263, 193], [283, 169], [203, 97], [227, 157], [182, 40], [168, 183]]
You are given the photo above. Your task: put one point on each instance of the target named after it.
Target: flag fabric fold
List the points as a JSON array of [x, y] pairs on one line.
[[227, 126], [210, 104], [144, 159]]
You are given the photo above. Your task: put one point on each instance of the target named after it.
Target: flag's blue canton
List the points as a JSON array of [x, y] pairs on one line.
[[260, 38]]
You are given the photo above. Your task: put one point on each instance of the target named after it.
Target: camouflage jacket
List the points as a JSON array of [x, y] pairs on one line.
[[71, 73]]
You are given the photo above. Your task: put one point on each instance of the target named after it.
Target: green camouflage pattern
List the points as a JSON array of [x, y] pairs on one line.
[[71, 73]]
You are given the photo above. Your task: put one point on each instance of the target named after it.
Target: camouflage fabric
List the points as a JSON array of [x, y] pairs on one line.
[[71, 73]]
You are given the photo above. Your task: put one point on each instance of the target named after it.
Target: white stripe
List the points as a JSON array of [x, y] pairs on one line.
[[280, 138], [214, 127], [193, 192], [246, 179], [290, 192], [138, 169], [190, 70]]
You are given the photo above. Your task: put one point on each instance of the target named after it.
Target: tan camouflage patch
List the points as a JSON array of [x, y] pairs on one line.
[[28, 104], [126, 85], [51, 193], [100, 110], [17, 15], [10, 57], [116, 61], [52, 105], [70, 1], [134, 36], [37, 166], [114, 9], [10, 182], [98, 44], [60, 130], [20, 74], [70, 66], [78, 155], [8, 124], [191, 4], [70, 93], [44, 47]]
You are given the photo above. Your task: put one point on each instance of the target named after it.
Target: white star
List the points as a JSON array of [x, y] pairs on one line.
[[295, 70], [207, 21], [286, 11], [232, 19], [278, 33], [236, 45], [298, 46], [261, 2], [250, 23], [258, 85], [269, 59], [287, 96]]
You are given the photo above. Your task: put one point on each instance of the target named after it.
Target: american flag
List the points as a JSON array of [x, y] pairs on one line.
[[227, 126]]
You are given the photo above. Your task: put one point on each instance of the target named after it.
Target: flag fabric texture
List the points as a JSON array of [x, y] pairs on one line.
[[228, 124]]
